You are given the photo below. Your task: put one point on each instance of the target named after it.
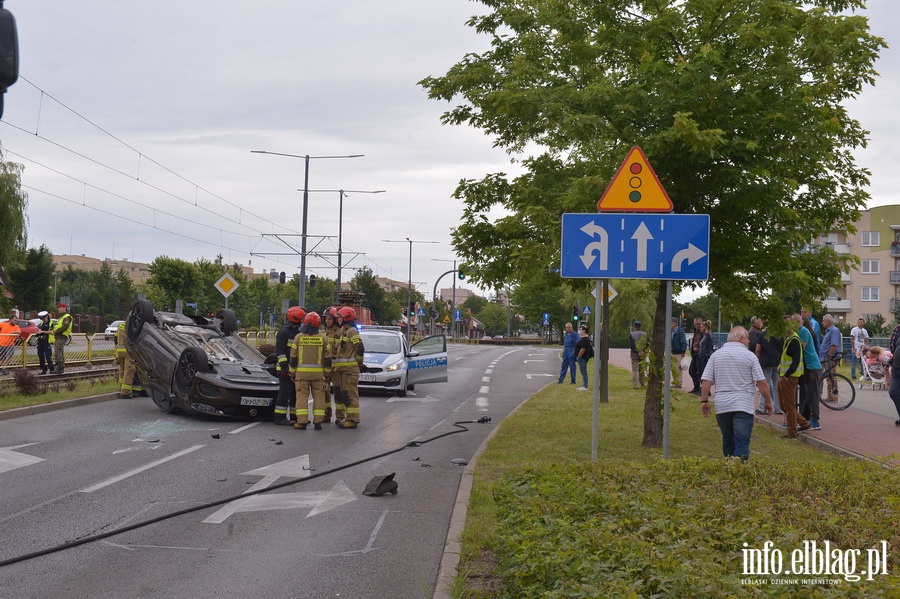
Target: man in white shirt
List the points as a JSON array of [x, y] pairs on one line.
[[737, 375], [859, 336]]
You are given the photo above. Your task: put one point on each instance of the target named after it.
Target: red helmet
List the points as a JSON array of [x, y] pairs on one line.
[[347, 313], [296, 314], [330, 311], [312, 319]]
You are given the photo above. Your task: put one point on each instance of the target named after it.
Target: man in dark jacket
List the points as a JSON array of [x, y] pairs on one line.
[[679, 347]]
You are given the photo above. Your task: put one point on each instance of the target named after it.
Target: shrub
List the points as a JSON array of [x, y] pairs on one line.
[[677, 528], [26, 383]]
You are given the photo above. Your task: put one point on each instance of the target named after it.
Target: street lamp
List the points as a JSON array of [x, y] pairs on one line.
[[306, 158], [409, 289], [343, 192], [452, 299]]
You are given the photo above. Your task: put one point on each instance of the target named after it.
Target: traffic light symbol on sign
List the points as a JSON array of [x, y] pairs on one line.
[[635, 188]]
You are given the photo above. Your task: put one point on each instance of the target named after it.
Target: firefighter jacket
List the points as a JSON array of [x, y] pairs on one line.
[[350, 350], [311, 356], [120, 341], [63, 326], [284, 343]]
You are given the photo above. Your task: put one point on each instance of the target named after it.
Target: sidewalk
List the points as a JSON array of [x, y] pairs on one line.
[[853, 432]]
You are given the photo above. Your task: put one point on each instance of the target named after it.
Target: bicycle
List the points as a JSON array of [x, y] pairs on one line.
[[836, 391]]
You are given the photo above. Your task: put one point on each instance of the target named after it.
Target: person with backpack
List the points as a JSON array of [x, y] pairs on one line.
[[584, 351]]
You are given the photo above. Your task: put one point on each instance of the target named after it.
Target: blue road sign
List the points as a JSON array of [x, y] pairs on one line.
[[586, 311], [546, 320], [635, 246], [457, 315], [420, 312]]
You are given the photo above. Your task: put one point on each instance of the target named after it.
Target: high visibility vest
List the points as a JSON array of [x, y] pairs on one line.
[[310, 357], [786, 360], [120, 340], [63, 326]]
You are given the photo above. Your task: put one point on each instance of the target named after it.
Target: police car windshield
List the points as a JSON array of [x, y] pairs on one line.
[[382, 344]]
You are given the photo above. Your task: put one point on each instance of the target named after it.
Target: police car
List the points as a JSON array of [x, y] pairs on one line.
[[392, 365]]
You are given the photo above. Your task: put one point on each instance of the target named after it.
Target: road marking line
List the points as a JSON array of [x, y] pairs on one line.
[[131, 473], [481, 404], [484, 389], [485, 379], [243, 428]]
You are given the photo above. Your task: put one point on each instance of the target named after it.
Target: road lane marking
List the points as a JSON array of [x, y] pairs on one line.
[[319, 501], [131, 473], [243, 428], [11, 459], [481, 404]]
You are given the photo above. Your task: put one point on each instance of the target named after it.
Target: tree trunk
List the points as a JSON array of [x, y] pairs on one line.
[[653, 417]]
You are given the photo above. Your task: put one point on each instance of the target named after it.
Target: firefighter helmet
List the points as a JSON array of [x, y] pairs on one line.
[[296, 314], [330, 311], [312, 319], [347, 313]]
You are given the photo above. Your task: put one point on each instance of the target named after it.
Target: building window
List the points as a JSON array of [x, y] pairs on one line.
[[870, 294], [871, 238], [870, 267]]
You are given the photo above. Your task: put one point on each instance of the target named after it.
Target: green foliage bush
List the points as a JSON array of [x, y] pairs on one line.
[[677, 528]]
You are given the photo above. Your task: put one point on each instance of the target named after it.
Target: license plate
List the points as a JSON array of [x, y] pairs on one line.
[[366, 378], [256, 401]]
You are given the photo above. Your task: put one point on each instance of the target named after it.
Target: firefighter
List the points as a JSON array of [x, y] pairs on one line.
[[129, 380], [347, 364], [333, 332], [310, 363], [284, 343], [62, 332]]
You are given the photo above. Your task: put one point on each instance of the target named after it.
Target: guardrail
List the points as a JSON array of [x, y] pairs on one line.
[[82, 349]]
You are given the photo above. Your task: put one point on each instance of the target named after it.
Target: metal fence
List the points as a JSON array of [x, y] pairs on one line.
[[82, 349]]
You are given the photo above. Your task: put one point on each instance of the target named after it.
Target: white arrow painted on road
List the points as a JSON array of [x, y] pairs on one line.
[[529, 376], [293, 468], [11, 459], [691, 253], [419, 399], [319, 501], [642, 235]]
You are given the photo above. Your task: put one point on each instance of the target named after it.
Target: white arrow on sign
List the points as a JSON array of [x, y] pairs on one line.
[[602, 246], [691, 253], [642, 235], [319, 501], [10, 459]]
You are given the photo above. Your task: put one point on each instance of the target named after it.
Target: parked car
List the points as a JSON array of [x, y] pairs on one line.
[[392, 365], [28, 328], [112, 330], [199, 365]]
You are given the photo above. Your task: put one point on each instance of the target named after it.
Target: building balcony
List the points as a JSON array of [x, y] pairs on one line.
[[895, 249], [845, 278], [837, 305], [895, 304], [895, 277]]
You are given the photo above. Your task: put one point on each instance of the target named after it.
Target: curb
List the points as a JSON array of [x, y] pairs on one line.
[[57, 405], [822, 444]]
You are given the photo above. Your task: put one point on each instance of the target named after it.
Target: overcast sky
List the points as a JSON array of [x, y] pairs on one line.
[[136, 121]]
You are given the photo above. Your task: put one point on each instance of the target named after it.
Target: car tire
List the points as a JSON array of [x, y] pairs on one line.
[[141, 314], [228, 321], [190, 362], [402, 391]]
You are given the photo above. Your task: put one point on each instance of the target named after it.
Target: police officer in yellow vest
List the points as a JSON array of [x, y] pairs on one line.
[[309, 364], [347, 363], [62, 332]]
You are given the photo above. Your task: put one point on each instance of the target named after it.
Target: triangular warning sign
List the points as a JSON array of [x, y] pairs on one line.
[[635, 188]]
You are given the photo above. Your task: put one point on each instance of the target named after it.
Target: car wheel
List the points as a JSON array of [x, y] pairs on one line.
[[32, 341], [190, 362], [141, 314], [228, 321], [403, 387]]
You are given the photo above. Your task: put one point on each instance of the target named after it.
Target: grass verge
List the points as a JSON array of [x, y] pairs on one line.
[[44, 393], [543, 521]]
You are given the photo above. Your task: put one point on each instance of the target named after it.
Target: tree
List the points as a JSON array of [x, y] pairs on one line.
[[32, 280], [738, 105], [173, 279], [13, 202], [493, 317], [383, 309]]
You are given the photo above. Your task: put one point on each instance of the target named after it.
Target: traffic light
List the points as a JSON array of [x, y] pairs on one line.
[[462, 271], [281, 277], [312, 280], [575, 313]]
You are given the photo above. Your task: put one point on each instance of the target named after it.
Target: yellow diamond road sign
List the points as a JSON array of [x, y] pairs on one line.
[[226, 285]]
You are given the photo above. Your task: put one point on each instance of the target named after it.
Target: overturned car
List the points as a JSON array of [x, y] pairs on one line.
[[199, 365]]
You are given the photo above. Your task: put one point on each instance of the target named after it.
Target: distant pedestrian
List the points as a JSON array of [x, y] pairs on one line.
[[45, 343], [812, 370], [9, 334], [694, 368], [737, 375], [790, 372], [568, 355], [678, 349], [584, 351], [768, 350], [859, 337], [62, 332], [894, 388], [706, 345], [638, 342]]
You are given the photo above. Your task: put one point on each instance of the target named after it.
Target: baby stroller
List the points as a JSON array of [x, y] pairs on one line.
[[873, 375]]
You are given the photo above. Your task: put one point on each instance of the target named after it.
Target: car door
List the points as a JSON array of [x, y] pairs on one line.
[[428, 361]]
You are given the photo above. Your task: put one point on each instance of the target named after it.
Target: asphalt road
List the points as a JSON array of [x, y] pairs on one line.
[[76, 473]]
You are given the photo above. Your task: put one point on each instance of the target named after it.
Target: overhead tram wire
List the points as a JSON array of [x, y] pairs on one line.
[[140, 155]]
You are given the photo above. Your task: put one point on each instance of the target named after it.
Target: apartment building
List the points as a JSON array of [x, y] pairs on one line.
[[874, 288]]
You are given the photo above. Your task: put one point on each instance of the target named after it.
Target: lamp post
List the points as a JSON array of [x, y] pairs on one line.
[[306, 159], [452, 299], [409, 288], [342, 193]]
